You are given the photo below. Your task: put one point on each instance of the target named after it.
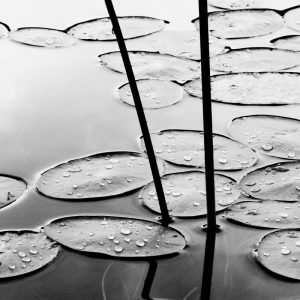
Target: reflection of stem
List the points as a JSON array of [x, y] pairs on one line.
[[208, 264], [149, 280], [103, 280]]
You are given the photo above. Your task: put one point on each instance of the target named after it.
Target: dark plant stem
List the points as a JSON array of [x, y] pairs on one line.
[[149, 280], [207, 117], [209, 152], [141, 115]]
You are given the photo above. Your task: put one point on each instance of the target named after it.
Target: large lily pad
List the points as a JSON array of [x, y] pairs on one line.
[[272, 135], [10, 189], [279, 181], [186, 193], [289, 42], [265, 214], [153, 93], [255, 60], [292, 18], [236, 4], [4, 30], [100, 175], [152, 65], [101, 29], [23, 252], [185, 44], [251, 88], [116, 236], [279, 252], [42, 37], [186, 147], [243, 23]]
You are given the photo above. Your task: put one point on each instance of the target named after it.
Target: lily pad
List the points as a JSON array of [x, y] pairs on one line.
[[271, 135], [24, 252], [251, 88], [265, 214], [292, 18], [186, 194], [4, 30], [116, 236], [289, 42], [42, 37], [243, 23], [236, 4], [280, 181], [255, 60], [10, 189], [153, 93], [185, 44], [101, 29], [186, 147], [152, 65], [279, 252], [100, 175]]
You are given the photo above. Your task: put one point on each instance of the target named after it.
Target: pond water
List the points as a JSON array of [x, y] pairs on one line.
[[58, 104]]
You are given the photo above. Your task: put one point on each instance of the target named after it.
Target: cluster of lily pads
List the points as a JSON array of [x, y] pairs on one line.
[[162, 78]]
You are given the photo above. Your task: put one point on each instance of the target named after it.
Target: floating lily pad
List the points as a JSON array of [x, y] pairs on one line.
[[186, 147], [272, 135], [292, 18], [153, 93], [24, 252], [255, 60], [101, 29], [251, 88], [116, 236], [235, 4], [186, 194], [4, 30], [279, 181], [152, 65], [10, 189], [279, 252], [42, 37], [244, 23], [265, 214], [185, 44], [289, 42], [100, 175]]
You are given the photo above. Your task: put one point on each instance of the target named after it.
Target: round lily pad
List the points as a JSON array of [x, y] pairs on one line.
[[185, 44], [152, 65], [292, 18], [186, 147], [101, 29], [279, 181], [23, 252], [235, 4], [289, 42], [42, 37], [116, 236], [153, 93], [10, 189], [186, 194], [251, 88], [255, 60], [272, 135], [100, 175], [279, 252], [265, 214], [243, 23], [4, 30]]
